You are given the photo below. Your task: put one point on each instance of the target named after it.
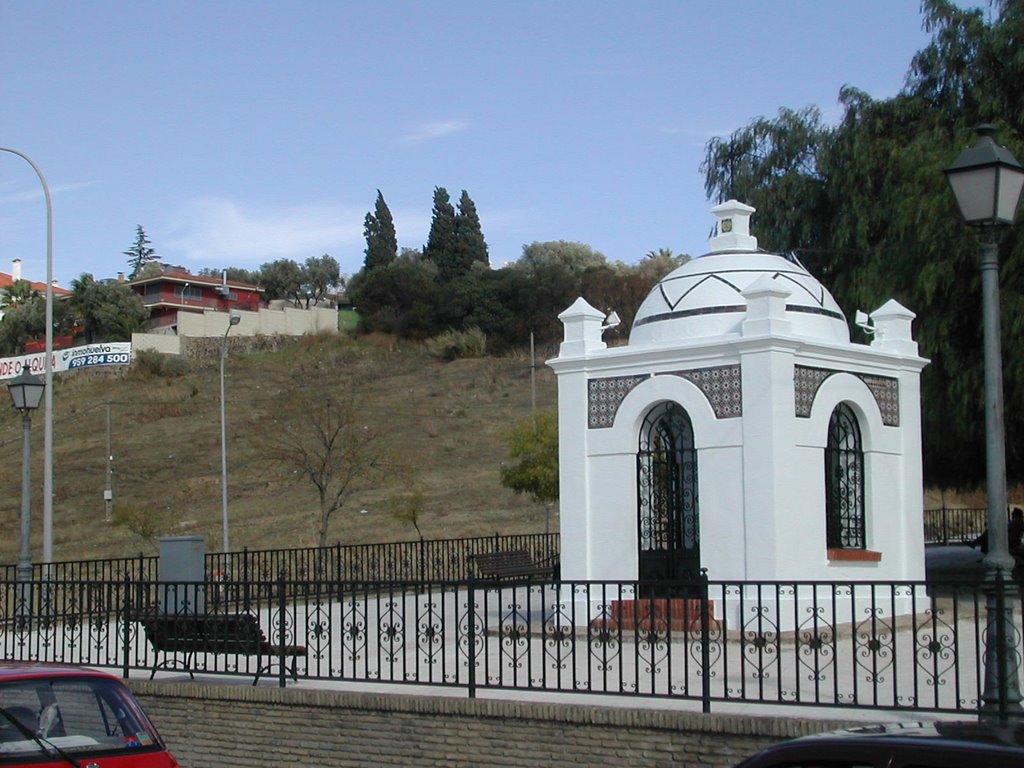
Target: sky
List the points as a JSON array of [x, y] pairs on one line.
[[238, 133]]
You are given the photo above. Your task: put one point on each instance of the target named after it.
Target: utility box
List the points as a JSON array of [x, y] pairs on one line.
[[182, 574]]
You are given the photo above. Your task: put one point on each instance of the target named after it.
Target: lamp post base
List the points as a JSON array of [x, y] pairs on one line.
[[1001, 697]]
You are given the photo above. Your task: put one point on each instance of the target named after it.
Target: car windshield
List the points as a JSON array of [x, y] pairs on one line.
[[76, 715]]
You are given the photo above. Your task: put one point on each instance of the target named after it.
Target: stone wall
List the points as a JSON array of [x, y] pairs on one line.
[[222, 726]]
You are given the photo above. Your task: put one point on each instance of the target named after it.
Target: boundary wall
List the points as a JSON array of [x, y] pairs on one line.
[[223, 726], [288, 321]]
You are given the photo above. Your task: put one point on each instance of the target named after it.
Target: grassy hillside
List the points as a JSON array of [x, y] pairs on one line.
[[441, 422]]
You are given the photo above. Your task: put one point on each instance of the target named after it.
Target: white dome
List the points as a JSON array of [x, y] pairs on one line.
[[704, 298]]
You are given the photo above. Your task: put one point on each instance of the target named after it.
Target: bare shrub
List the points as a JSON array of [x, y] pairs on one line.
[[454, 345], [148, 523]]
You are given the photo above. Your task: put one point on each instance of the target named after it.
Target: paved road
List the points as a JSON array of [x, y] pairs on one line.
[[953, 563]]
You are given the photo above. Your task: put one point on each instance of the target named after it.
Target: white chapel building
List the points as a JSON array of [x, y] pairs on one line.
[[740, 431]]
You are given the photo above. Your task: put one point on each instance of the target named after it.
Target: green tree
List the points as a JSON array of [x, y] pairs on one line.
[[22, 323], [321, 276], [140, 254], [440, 248], [403, 297], [657, 264], [620, 288], [381, 239], [865, 206], [17, 293], [106, 310], [575, 257], [533, 447], [470, 247], [493, 301], [282, 279], [234, 274]]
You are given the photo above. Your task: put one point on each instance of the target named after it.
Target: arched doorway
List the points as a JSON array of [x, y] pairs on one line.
[[668, 513]]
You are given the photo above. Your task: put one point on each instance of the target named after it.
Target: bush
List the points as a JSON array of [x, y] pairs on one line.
[[453, 345], [147, 364], [148, 523]]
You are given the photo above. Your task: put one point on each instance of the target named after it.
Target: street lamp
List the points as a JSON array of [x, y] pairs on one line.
[[987, 181], [26, 392], [234, 318], [47, 370]]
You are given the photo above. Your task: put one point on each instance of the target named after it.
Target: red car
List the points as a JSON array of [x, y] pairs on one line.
[[54, 716]]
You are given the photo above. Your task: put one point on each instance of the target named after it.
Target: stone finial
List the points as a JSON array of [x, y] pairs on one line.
[[766, 308], [893, 331], [732, 229], [582, 329]]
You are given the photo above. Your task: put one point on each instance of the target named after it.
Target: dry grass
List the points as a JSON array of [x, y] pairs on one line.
[[442, 422]]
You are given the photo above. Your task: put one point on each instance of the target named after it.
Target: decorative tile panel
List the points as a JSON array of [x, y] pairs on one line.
[[722, 387], [806, 383], [885, 389], [604, 396], [887, 394]]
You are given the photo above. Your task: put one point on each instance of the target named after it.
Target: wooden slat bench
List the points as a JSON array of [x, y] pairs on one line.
[[233, 633], [511, 564]]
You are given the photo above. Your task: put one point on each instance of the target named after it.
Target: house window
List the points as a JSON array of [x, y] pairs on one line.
[[844, 481], [188, 292]]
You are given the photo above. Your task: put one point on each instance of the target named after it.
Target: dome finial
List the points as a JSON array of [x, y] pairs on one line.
[[732, 230]]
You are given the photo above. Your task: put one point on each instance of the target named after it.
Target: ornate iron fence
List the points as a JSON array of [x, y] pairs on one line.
[[910, 646]]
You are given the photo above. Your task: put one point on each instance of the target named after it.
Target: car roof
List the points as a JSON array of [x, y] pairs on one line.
[[14, 670], [941, 733], [947, 743]]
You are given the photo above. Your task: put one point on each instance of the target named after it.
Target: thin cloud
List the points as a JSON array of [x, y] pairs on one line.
[[213, 231], [37, 193], [437, 130]]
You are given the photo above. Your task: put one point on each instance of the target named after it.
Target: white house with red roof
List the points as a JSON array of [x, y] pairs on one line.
[[7, 280]]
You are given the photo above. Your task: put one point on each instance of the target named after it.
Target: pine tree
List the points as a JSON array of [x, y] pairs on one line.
[[140, 254], [440, 248], [470, 246], [381, 240]]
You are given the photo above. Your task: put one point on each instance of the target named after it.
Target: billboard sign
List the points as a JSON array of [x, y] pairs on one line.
[[110, 353]]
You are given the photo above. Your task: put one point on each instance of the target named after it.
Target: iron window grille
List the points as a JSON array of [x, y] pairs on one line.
[[844, 481]]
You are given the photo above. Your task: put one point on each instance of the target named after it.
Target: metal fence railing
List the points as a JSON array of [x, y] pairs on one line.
[[404, 561], [912, 646], [423, 560], [946, 526]]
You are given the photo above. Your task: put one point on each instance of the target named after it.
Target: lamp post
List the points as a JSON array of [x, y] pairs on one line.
[[47, 370], [26, 392], [987, 181], [234, 318]]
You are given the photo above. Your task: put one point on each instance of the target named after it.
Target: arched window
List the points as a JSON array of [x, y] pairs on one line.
[[844, 481]]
